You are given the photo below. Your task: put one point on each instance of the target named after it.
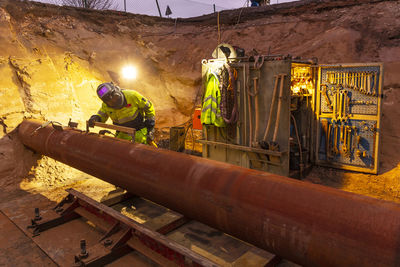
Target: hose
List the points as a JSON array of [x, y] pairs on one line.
[[299, 144], [234, 114]]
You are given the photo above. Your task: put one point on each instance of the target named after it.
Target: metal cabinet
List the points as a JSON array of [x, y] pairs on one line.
[[293, 114], [240, 143]]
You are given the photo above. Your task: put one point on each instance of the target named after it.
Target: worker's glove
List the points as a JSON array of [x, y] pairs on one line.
[[149, 124], [150, 135], [93, 119]]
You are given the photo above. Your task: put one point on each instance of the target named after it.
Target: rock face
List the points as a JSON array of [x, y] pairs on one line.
[[52, 58]]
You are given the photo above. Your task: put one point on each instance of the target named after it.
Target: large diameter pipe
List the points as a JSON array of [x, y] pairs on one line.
[[309, 224]]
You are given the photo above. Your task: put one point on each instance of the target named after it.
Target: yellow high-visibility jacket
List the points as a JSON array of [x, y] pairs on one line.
[[211, 111], [133, 114]]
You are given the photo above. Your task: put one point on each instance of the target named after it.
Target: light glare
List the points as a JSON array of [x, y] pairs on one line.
[[129, 72]]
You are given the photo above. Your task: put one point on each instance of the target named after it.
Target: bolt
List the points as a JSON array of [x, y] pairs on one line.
[[107, 242], [37, 215], [59, 209], [84, 254]]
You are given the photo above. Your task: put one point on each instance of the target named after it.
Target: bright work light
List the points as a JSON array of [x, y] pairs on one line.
[[129, 72]]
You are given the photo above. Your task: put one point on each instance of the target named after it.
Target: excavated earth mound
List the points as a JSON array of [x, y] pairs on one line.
[[52, 58]]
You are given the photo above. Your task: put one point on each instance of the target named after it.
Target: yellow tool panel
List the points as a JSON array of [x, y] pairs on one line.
[[348, 108]]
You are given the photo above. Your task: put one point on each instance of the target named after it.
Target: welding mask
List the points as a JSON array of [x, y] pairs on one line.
[[111, 95]]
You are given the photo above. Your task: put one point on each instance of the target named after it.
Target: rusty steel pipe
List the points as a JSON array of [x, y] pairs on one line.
[[309, 224]]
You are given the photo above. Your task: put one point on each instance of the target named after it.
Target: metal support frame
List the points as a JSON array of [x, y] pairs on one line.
[[121, 234]]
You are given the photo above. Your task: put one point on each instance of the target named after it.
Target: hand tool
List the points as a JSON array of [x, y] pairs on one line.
[[344, 79], [375, 87], [271, 108], [128, 130], [335, 96], [328, 141], [327, 100], [369, 92], [349, 79], [362, 89], [341, 78], [364, 81], [358, 140], [336, 78], [335, 137], [345, 105], [341, 133], [361, 102], [340, 105], [330, 77], [250, 111], [356, 81], [374, 126], [348, 141], [354, 138], [279, 108], [257, 113], [344, 148]]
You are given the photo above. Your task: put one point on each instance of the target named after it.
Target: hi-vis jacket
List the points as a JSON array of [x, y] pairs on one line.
[[137, 109], [211, 111]]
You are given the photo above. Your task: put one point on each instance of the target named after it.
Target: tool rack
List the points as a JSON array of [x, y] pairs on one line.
[[326, 115], [348, 112]]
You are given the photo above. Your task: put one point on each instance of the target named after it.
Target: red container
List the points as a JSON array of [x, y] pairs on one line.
[[196, 119]]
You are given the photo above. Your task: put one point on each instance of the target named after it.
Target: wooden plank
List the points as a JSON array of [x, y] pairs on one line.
[[115, 127]]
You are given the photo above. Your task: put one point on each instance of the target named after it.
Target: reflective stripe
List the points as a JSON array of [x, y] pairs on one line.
[[126, 119], [210, 97], [207, 108], [148, 104], [102, 113], [213, 110]]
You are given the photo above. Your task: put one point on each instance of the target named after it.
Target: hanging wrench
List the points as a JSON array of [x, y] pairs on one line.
[[375, 88], [328, 141]]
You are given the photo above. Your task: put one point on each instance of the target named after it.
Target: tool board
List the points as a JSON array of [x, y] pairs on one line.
[[348, 109]]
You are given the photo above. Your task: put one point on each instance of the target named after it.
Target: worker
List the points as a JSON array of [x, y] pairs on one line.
[[126, 108]]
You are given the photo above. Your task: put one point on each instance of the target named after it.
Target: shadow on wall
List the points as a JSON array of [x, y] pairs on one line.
[[16, 163]]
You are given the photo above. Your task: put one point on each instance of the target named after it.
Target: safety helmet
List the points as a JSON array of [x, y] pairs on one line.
[[111, 95]]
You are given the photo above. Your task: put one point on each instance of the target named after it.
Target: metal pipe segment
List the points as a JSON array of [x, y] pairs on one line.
[[309, 224]]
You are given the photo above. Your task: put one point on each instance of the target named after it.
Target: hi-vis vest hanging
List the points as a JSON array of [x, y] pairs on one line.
[[211, 111]]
